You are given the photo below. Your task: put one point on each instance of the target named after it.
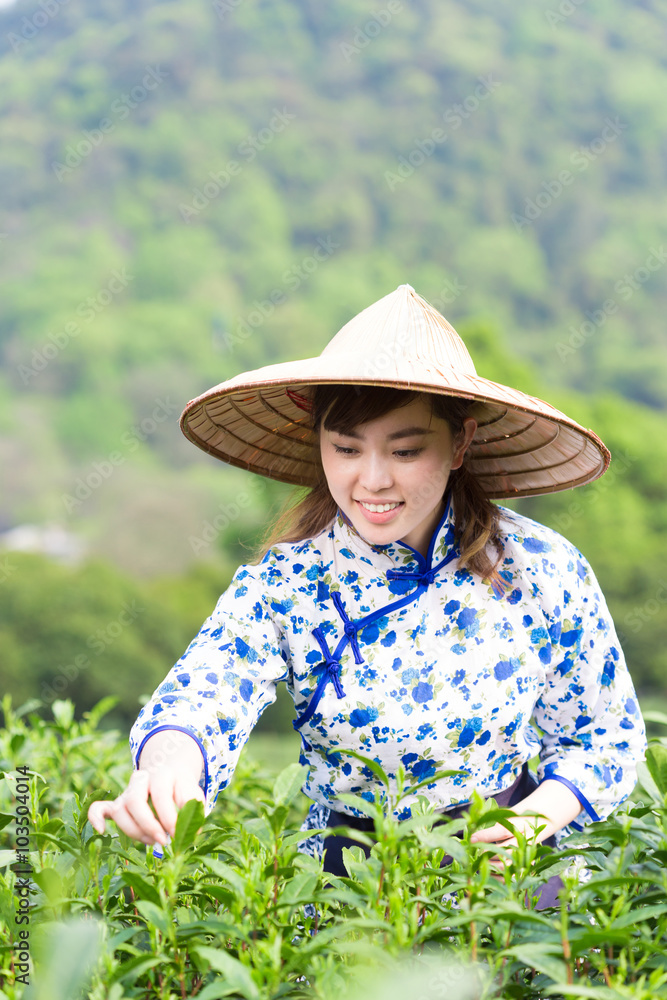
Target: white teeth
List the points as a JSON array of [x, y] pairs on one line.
[[376, 507]]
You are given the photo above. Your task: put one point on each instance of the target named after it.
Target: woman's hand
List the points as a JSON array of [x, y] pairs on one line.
[[552, 800], [169, 770]]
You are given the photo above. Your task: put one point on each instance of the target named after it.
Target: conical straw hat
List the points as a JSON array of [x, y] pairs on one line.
[[523, 446]]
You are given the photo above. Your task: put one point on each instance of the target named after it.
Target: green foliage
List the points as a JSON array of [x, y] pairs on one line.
[[89, 632], [84, 633], [67, 951], [166, 303], [233, 909], [656, 761], [359, 102]]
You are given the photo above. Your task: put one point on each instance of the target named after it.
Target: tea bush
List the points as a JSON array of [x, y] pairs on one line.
[[233, 909]]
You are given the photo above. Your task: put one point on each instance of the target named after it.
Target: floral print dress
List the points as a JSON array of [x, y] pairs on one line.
[[411, 660]]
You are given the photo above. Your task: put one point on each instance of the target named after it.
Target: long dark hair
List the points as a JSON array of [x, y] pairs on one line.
[[343, 407]]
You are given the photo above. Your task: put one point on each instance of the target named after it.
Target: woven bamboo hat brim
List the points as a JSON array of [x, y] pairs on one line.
[[523, 446]]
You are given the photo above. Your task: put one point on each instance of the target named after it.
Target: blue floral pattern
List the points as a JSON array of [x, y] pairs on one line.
[[415, 662]]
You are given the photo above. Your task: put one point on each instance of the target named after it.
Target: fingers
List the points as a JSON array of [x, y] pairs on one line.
[[185, 789], [170, 793], [131, 811], [134, 815], [100, 811], [97, 813], [493, 835], [125, 822], [498, 833], [163, 796]]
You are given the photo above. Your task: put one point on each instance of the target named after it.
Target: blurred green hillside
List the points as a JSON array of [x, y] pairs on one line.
[[168, 170]]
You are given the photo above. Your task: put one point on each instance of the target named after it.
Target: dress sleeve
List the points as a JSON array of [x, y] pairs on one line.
[[593, 732], [225, 679]]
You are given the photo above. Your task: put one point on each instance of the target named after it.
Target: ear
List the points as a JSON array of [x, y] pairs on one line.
[[463, 441]]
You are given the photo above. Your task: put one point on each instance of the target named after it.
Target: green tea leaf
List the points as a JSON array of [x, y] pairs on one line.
[[70, 805], [142, 888], [63, 712], [28, 706], [277, 818], [296, 838], [371, 764], [51, 884], [153, 914], [639, 913], [356, 801], [505, 817], [225, 872], [299, 889], [586, 992], [236, 974], [216, 990], [352, 856], [134, 967], [542, 957], [190, 819], [288, 784], [261, 828], [656, 762], [66, 954], [17, 741], [349, 831]]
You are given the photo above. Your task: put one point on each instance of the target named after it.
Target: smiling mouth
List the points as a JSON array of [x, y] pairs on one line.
[[380, 507]]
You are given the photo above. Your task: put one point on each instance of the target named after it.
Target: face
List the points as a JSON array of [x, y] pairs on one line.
[[402, 460]]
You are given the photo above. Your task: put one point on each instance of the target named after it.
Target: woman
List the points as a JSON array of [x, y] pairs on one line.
[[414, 621]]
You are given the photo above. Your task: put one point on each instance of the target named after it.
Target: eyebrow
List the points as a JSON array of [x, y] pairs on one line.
[[406, 432]]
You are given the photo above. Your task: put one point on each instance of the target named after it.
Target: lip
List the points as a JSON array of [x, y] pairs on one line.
[[380, 516]]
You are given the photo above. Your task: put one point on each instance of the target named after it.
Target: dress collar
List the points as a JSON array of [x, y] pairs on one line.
[[400, 553]]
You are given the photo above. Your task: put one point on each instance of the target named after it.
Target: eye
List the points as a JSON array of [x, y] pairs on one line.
[[404, 453]]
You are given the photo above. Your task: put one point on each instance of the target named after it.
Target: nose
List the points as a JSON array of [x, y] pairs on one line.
[[375, 474]]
